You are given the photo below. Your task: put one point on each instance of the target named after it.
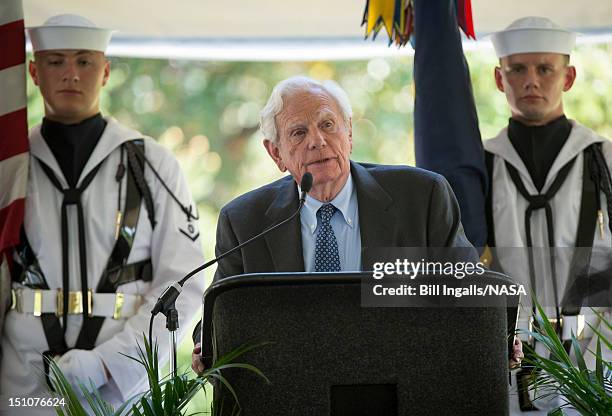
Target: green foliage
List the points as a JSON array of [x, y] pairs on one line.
[[167, 397], [587, 391]]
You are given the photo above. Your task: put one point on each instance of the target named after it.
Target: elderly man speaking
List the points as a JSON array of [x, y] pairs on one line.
[[307, 128]]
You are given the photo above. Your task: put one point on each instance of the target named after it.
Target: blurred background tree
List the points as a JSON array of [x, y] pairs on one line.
[[207, 114]]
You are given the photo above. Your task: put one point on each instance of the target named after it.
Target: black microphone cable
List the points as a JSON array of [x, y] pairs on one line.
[[168, 297]]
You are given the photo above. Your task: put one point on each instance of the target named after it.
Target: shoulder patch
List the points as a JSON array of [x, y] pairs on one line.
[[191, 232]]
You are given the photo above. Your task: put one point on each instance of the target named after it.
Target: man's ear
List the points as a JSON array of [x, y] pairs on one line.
[[570, 77], [498, 79], [33, 72], [274, 153], [106, 72]]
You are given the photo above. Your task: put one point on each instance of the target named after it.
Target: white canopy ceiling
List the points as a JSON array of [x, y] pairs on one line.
[[284, 29]]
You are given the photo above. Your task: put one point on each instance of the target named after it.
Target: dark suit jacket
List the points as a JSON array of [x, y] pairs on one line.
[[399, 206]]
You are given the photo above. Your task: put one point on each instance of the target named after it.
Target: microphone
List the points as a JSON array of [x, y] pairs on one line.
[[167, 299], [305, 186]]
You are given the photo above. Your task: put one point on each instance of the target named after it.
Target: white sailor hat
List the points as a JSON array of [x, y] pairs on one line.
[[69, 31], [533, 34]]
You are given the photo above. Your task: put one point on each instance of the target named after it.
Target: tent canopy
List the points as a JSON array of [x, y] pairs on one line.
[[285, 29]]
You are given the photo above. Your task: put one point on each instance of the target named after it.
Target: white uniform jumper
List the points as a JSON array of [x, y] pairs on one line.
[[508, 213], [172, 246]]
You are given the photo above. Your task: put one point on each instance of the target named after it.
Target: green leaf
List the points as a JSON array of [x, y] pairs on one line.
[[168, 396], [135, 411], [229, 388], [65, 390], [179, 386], [601, 336], [586, 391], [602, 318], [599, 365], [578, 354], [241, 350], [95, 401], [169, 399], [146, 407], [246, 367]]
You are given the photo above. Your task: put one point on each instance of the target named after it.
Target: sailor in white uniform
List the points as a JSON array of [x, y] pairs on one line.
[[550, 187], [109, 224]]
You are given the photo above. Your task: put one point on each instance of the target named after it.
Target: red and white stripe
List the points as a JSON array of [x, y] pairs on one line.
[[13, 123]]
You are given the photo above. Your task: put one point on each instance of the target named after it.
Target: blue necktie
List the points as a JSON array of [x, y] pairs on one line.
[[327, 258]]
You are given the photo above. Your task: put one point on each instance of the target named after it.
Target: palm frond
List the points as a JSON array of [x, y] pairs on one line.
[[587, 391], [166, 397], [63, 388]]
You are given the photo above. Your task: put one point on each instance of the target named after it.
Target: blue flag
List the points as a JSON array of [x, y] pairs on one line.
[[447, 137]]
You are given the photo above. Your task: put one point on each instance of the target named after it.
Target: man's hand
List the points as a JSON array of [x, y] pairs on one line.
[[83, 366], [196, 363], [517, 353]]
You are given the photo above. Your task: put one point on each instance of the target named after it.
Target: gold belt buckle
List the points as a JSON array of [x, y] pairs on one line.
[[119, 300], [487, 256], [534, 324], [60, 302], [75, 303], [558, 324], [576, 325], [90, 303], [59, 309], [37, 302], [16, 302]]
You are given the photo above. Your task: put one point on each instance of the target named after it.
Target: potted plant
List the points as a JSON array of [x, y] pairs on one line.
[[166, 397], [587, 391]]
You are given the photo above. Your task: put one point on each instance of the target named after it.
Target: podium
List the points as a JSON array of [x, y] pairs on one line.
[[328, 355]]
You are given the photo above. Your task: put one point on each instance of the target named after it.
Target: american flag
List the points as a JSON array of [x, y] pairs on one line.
[[13, 124]]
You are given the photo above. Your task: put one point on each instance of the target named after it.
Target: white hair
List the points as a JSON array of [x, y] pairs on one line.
[[291, 86]]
